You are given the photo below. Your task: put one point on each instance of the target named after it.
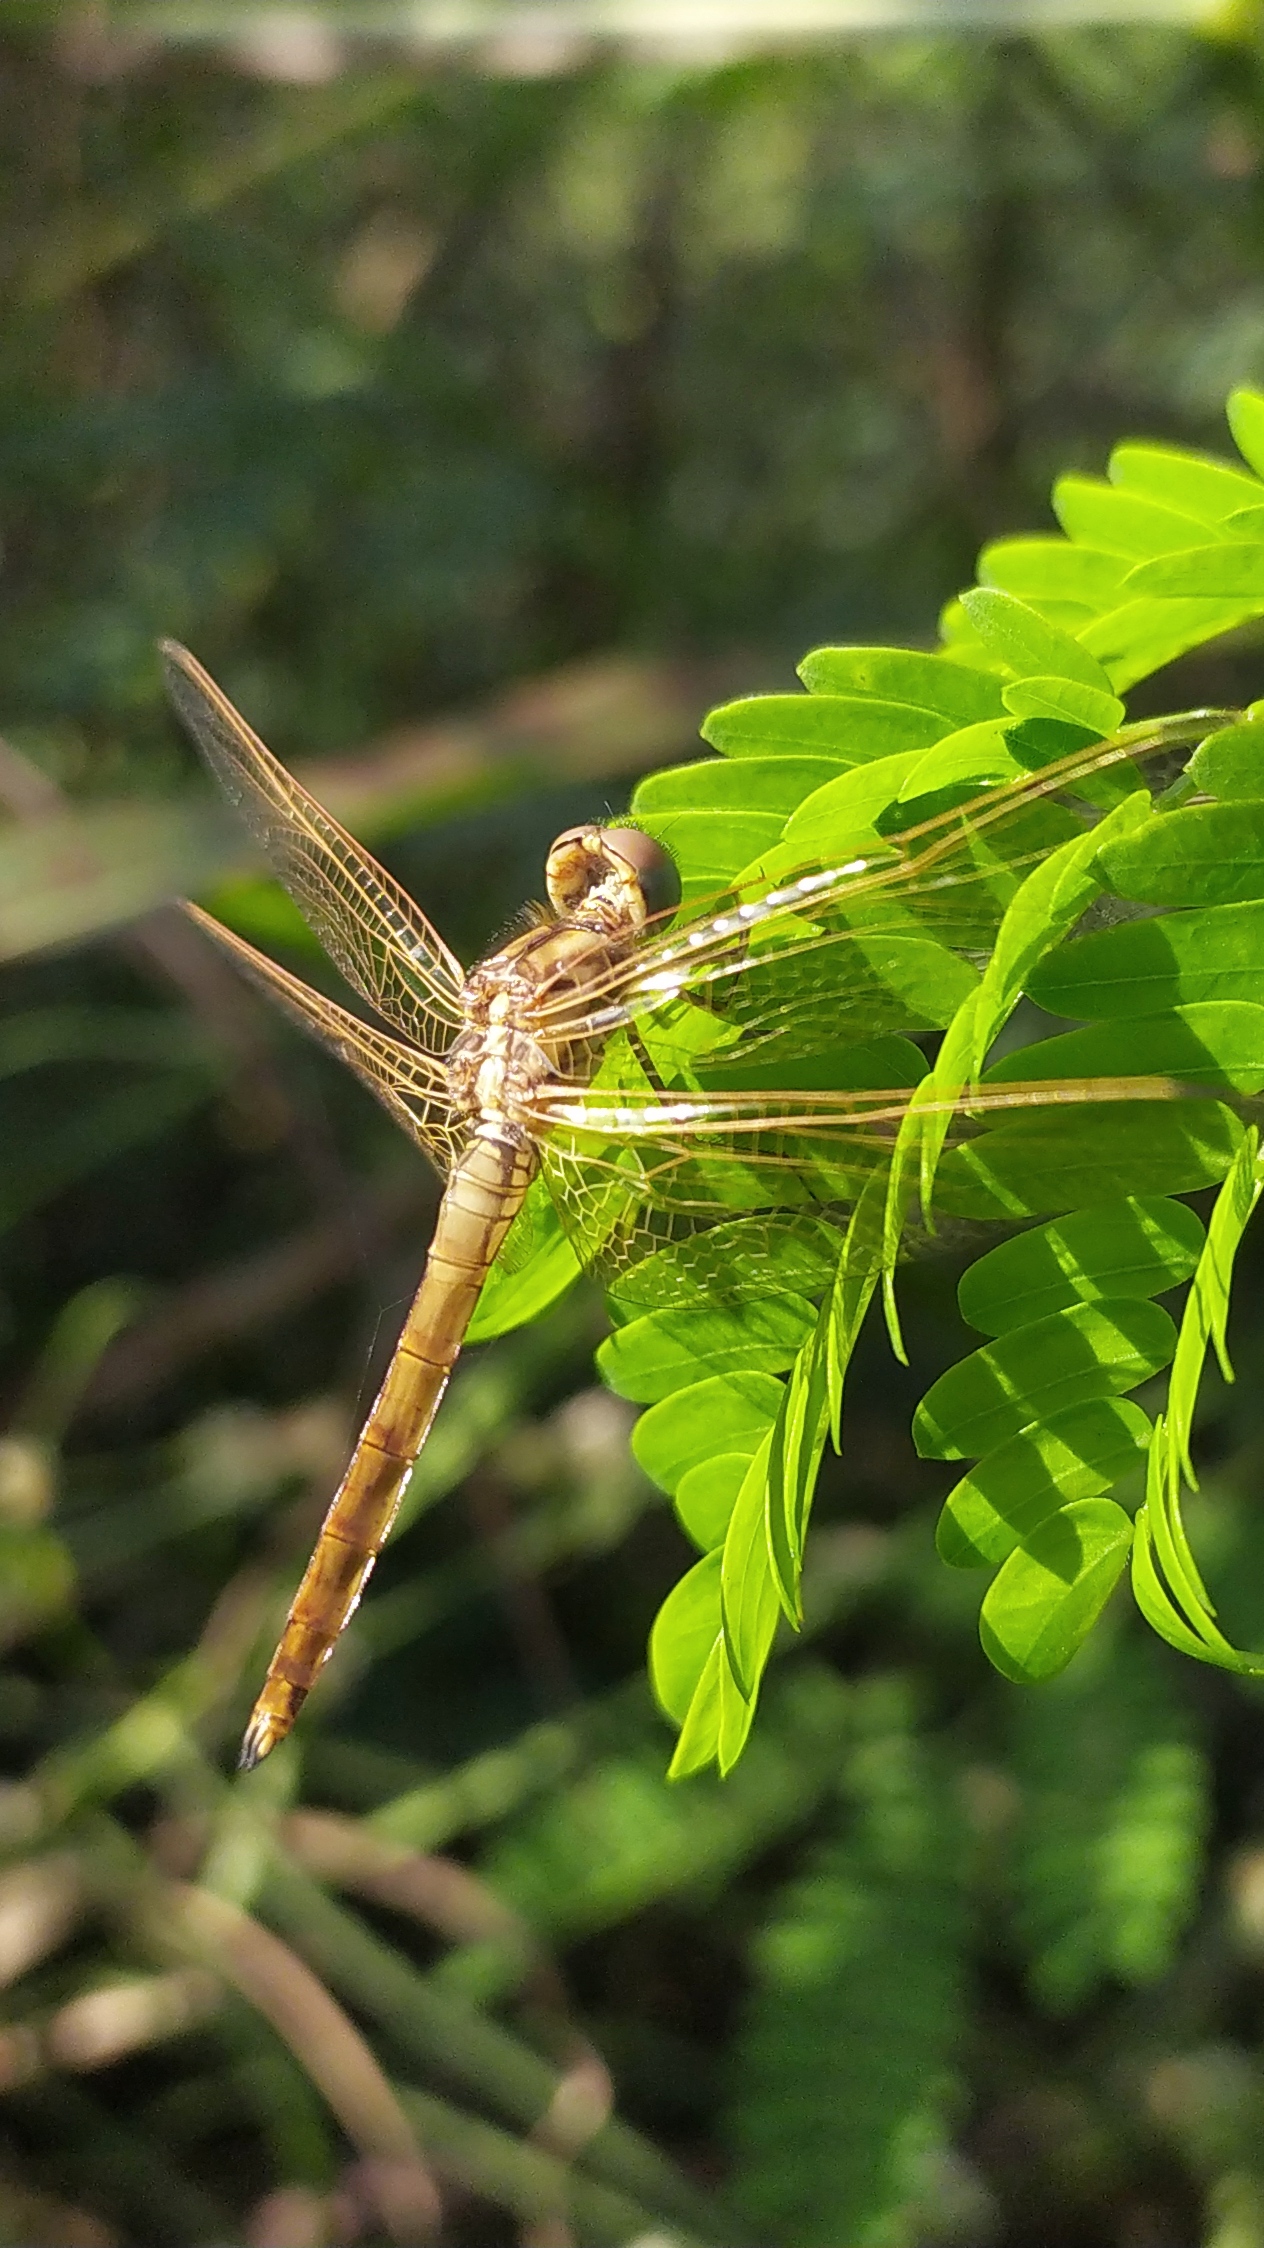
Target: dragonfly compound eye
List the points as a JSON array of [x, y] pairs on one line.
[[611, 859]]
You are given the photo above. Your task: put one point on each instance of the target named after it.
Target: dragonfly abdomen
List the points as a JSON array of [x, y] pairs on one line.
[[482, 1198]]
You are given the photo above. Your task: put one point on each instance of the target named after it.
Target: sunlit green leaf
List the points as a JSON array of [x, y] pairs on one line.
[[1120, 522], [1230, 762], [748, 1593], [1040, 570], [1205, 854], [1028, 643], [845, 808], [1216, 1042], [1245, 411], [974, 754], [716, 1415], [798, 1441], [848, 729], [1049, 1160], [1047, 903], [1195, 483], [699, 1742], [1065, 698], [1228, 572], [709, 848], [1127, 1248], [1014, 1490], [652, 1356], [1147, 631], [754, 784], [1030, 1373], [685, 1631], [1212, 952], [706, 1496], [903, 676], [1207, 1306], [1045, 1599]]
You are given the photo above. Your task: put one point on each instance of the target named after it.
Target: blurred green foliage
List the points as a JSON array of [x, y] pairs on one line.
[[580, 401]]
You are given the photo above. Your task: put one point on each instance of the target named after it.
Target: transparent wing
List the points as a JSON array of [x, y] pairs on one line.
[[369, 926], [411, 1086], [666, 1197], [761, 982]]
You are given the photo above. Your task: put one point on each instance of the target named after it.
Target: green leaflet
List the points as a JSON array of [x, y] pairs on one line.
[[1021, 1485], [1195, 483], [1076, 1451], [1207, 1307], [710, 848], [741, 1261], [1217, 1043], [700, 1727], [1102, 515], [1233, 572], [1212, 852], [1212, 952], [652, 1356], [798, 1441], [1046, 905], [844, 729], [901, 675], [1039, 570], [685, 1631], [756, 784], [1038, 697], [965, 760], [716, 1415], [1231, 761], [845, 808], [707, 1494], [748, 1596], [1178, 1608], [1056, 1159], [1088, 1350], [889, 1061], [1127, 1248], [1145, 631], [1045, 1599], [1027, 643], [1245, 414]]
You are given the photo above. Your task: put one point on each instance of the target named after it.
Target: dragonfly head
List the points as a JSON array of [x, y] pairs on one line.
[[613, 878]]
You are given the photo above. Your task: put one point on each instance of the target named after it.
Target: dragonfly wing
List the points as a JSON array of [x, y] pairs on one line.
[[411, 1086], [713, 1195], [368, 925]]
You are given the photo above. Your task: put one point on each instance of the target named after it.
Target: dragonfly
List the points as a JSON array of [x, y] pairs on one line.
[[630, 1058]]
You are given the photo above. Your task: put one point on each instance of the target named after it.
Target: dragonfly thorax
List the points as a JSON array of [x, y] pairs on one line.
[[516, 1005]]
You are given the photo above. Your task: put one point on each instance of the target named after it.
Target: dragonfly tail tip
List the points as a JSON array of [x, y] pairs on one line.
[[258, 1740]]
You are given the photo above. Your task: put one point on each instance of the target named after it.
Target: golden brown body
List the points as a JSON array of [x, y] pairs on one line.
[[482, 1199], [494, 1067]]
